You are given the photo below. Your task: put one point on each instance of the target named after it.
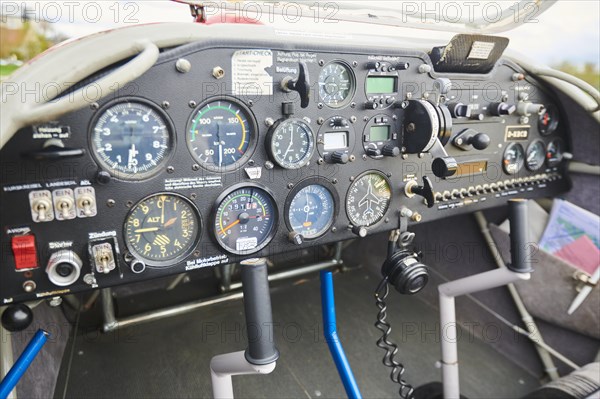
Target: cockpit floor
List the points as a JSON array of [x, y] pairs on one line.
[[170, 358]]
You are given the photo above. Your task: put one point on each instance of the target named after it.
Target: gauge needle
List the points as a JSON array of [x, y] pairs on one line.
[[170, 222], [220, 144], [289, 146], [147, 230], [230, 226], [162, 212]]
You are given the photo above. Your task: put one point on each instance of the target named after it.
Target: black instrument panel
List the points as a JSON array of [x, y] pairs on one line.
[[237, 159]]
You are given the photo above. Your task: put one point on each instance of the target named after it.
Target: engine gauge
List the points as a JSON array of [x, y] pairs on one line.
[[368, 198], [513, 158], [336, 84], [536, 155], [548, 120], [311, 208], [221, 134], [245, 219], [554, 152], [291, 143], [131, 138], [162, 229]]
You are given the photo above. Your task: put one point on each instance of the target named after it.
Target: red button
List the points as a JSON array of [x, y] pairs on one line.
[[24, 251]]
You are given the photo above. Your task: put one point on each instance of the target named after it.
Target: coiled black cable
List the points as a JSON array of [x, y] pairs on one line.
[[391, 349]]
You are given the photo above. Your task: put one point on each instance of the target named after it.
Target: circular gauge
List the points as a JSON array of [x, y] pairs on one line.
[[336, 84], [245, 219], [368, 199], [162, 229], [131, 139], [513, 158], [221, 134], [291, 143], [335, 140], [311, 208], [548, 120], [554, 152], [536, 155]]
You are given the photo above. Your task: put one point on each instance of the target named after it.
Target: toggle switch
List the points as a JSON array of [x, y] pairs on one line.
[[41, 206], [64, 204]]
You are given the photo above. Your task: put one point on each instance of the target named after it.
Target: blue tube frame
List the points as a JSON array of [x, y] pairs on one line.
[[23, 362], [333, 341]]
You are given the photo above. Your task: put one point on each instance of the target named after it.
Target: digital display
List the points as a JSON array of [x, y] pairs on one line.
[[379, 133], [381, 84], [335, 140], [471, 168]]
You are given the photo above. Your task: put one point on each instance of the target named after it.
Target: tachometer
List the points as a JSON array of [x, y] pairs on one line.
[[291, 143], [131, 139], [336, 84], [221, 134], [368, 199], [162, 229], [245, 219], [311, 208], [513, 158], [536, 155]]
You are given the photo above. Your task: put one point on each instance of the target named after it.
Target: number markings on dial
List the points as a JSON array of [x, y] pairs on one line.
[[162, 229], [311, 211], [120, 139], [368, 199]]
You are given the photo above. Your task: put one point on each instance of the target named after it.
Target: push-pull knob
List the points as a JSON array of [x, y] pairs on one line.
[[301, 84], [444, 167], [426, 190]]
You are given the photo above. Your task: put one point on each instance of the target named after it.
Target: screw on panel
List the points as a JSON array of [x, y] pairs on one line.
[[290, 185], [320, 120], [320, 105], [333, 229], [251, 162], [250, 103], [352, 178], [334, 181], [320, 161], [353, 119], [54, 302], [405, 156], [321, 62], [183, 66], [269, 122], [89, 279], [352, 158], [269, 165], [364, 157], [365, 118], [166, 104], [353, 105], [192, 104], [170, 169], [193, 196], [110, 203], [129, 204], [196, 254], [354, 64], [195, 167], [94, 106]]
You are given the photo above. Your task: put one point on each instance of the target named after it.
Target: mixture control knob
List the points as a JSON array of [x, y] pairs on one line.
[[340, 157], [390, 151], [444, 167], [499, 109], [426, 190]]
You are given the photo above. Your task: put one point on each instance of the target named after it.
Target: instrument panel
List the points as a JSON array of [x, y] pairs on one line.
[[241, 156]]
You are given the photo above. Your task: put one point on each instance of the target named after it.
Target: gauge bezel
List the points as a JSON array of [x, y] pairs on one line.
[[368, 172], [321, 181], [529, 147], [351, 92], [553, 127], [152, 263], [395, 134], [135, 176], [219, 201], [554, 163], [325, 128], [252, 141], [269, 143], [509, 146]]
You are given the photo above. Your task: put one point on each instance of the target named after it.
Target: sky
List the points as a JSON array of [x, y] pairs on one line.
[[570, 30]]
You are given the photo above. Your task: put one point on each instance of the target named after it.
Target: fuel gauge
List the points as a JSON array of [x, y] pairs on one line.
[[536, 155], [513, 159], [555, 152]]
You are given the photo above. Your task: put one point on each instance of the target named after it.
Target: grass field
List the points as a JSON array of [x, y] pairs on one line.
[[6, 70]]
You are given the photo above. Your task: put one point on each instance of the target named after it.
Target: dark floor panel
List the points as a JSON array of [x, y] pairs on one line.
[[171, 358]]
